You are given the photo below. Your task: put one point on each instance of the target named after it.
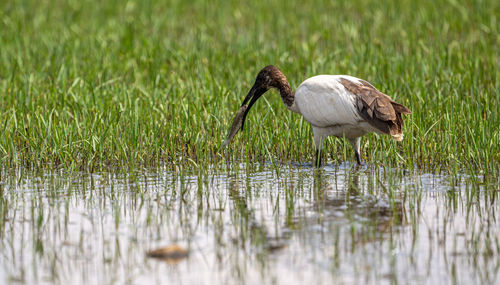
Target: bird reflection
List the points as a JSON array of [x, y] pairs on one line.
[[349, 200]]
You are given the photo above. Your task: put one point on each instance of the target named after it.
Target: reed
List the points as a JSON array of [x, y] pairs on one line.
[[92, 84]]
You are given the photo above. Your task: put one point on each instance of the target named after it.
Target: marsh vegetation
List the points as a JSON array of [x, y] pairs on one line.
[[91, 85]]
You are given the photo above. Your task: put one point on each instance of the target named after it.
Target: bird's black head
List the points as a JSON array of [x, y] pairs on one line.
[[269, 77]]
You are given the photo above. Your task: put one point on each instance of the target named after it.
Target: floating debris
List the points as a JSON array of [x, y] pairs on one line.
[[170, 253], [272, 247], [236, 126]]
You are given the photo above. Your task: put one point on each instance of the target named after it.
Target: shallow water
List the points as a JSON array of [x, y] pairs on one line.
[[254, 224]]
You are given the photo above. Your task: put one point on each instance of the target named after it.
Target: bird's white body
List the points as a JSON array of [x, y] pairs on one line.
[[330, 109]]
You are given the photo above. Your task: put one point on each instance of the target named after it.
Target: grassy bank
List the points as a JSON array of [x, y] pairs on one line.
[[87, 84]]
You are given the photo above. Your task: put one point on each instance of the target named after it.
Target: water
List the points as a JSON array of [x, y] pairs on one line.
[[255, 224]]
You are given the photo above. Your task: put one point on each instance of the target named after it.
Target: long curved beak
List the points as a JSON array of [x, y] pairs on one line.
[[252, 96], [239, 119]]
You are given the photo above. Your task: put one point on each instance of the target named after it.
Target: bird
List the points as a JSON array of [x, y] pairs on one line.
[[335, 105]]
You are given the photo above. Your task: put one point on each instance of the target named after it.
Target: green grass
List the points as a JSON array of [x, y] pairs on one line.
[[92, 84]]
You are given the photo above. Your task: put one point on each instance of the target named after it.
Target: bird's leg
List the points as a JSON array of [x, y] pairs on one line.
[[356, 145], [318, 141], [358, 158], [318, 158]]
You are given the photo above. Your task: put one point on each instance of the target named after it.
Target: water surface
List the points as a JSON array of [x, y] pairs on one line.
[[252, 224]]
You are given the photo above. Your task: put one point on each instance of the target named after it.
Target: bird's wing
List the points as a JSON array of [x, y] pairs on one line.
[[375, 107]]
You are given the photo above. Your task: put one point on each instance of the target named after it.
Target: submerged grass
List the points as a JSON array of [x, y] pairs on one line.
[[89, 84]]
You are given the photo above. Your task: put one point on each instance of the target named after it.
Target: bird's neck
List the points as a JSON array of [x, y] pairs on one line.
[[280, 82], [287, 94]]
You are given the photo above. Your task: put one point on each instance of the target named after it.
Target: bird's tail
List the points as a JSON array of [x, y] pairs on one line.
[[396, 126]]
